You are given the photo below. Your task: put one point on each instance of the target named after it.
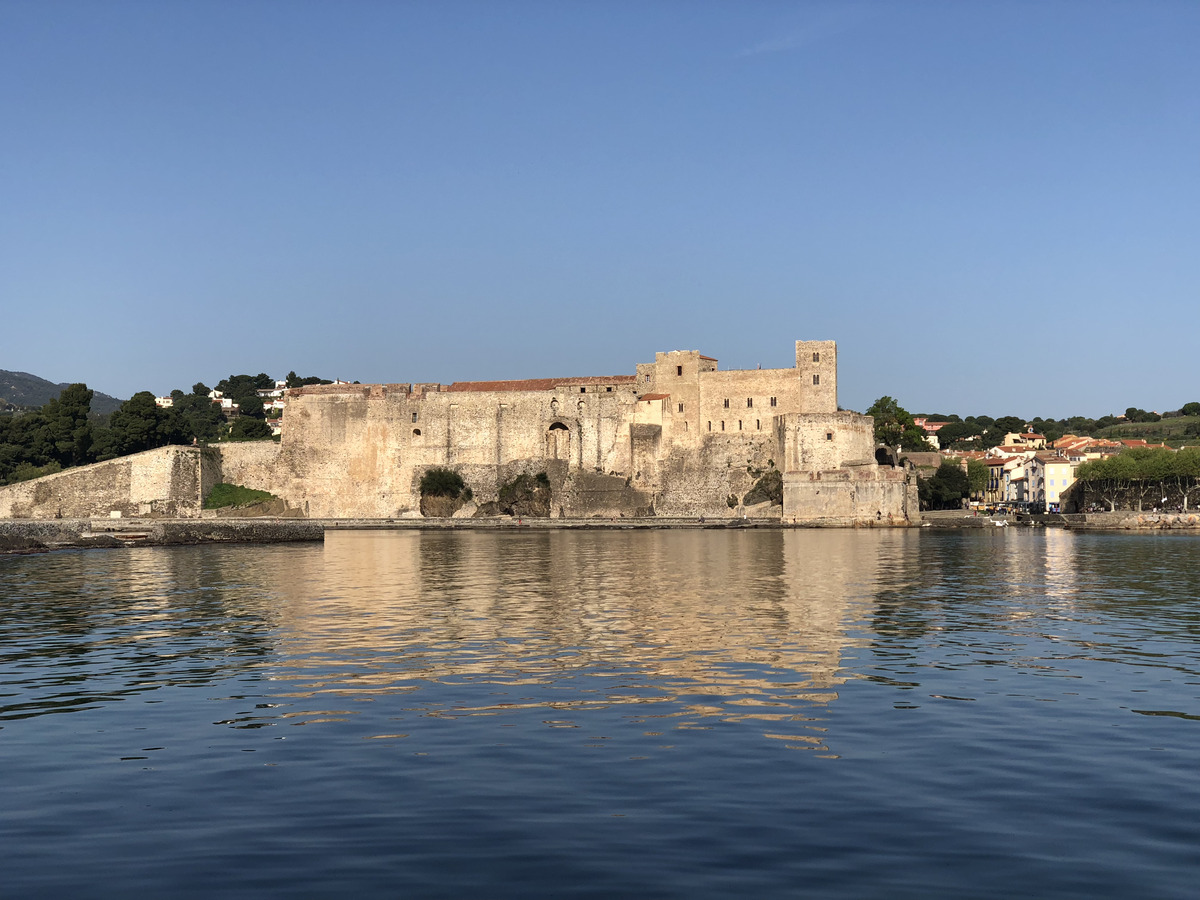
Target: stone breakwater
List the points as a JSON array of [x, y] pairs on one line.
[[36, 535], [1153, 522]]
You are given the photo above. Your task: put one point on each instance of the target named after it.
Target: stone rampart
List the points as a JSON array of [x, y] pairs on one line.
[[162, 482]]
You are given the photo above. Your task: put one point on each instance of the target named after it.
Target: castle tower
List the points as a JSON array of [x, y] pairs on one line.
[[816, 369]]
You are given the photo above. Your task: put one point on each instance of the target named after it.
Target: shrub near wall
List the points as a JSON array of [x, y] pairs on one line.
[[443, 493]]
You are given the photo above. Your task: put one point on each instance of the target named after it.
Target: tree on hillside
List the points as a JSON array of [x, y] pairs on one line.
[[69, 431], [1009, 425], [1190, 409], [894, 426], [243, 390], [138, 425], [294, 380], [958, 431], [246, 428], [24, 445], [195, 416], [1133, 414]]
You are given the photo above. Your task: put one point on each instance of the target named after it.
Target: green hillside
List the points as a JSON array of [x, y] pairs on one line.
[[23, 389]]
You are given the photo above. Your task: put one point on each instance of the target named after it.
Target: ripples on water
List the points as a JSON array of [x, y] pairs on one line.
[[634, 713]]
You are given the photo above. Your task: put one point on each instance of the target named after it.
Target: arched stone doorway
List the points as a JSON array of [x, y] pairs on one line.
[[558, 441]]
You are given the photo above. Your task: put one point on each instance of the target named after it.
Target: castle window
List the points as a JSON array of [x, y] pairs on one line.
[[685, 428], [829, 435], [414, 417], [722, 424], [679, 370], [758, 424], [772, 401], [583, 390], [727, 403], [739, 424], [416, 432], [816, 356], [816, 379], [749, 403], [608, 389], [681, 407], [710, 426]]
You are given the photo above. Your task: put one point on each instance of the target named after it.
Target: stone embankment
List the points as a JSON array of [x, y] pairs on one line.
[[1126, 520], [36, 535], [1121, 520]]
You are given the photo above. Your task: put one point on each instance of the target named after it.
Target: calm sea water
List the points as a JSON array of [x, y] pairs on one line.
[[1010, 713]]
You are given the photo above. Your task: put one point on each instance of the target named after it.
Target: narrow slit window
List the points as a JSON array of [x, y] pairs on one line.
[[681, 407], [816, 356], [749, 403], [710, 426], [739, 424], [679, 370], [727, 403], [816, 379], [758, 424], [722, 424], [772, 401], [414, 417]]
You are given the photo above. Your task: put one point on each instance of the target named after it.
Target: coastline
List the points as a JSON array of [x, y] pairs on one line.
[[22, 536]]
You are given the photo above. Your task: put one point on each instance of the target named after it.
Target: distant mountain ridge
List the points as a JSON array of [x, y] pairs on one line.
[[23, 389]]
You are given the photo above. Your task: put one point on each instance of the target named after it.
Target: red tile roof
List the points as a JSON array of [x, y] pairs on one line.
[[654, 396], [539, 384]]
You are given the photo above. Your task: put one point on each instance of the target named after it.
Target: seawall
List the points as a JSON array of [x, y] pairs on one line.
[[31, 535]]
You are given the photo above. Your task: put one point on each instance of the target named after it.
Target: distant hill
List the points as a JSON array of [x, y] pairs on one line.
[[23, 389]]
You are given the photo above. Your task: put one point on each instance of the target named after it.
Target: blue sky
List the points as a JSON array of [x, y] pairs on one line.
[[992, 207]]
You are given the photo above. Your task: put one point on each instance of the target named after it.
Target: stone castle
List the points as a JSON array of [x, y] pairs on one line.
[[680, 438]]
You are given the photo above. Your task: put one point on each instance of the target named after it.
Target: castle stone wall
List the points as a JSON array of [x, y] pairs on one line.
[[162, 482], [681, 438]]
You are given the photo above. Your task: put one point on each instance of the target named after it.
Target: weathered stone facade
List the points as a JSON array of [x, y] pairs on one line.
[[678, 438], [162, 482]]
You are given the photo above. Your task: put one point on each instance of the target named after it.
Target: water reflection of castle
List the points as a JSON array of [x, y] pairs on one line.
[[740, 625]]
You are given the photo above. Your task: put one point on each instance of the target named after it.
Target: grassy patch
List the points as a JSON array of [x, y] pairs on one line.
[[223, 495]]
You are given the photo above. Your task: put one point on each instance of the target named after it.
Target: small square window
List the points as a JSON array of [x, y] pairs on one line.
[[829, 435], [608, 389]]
